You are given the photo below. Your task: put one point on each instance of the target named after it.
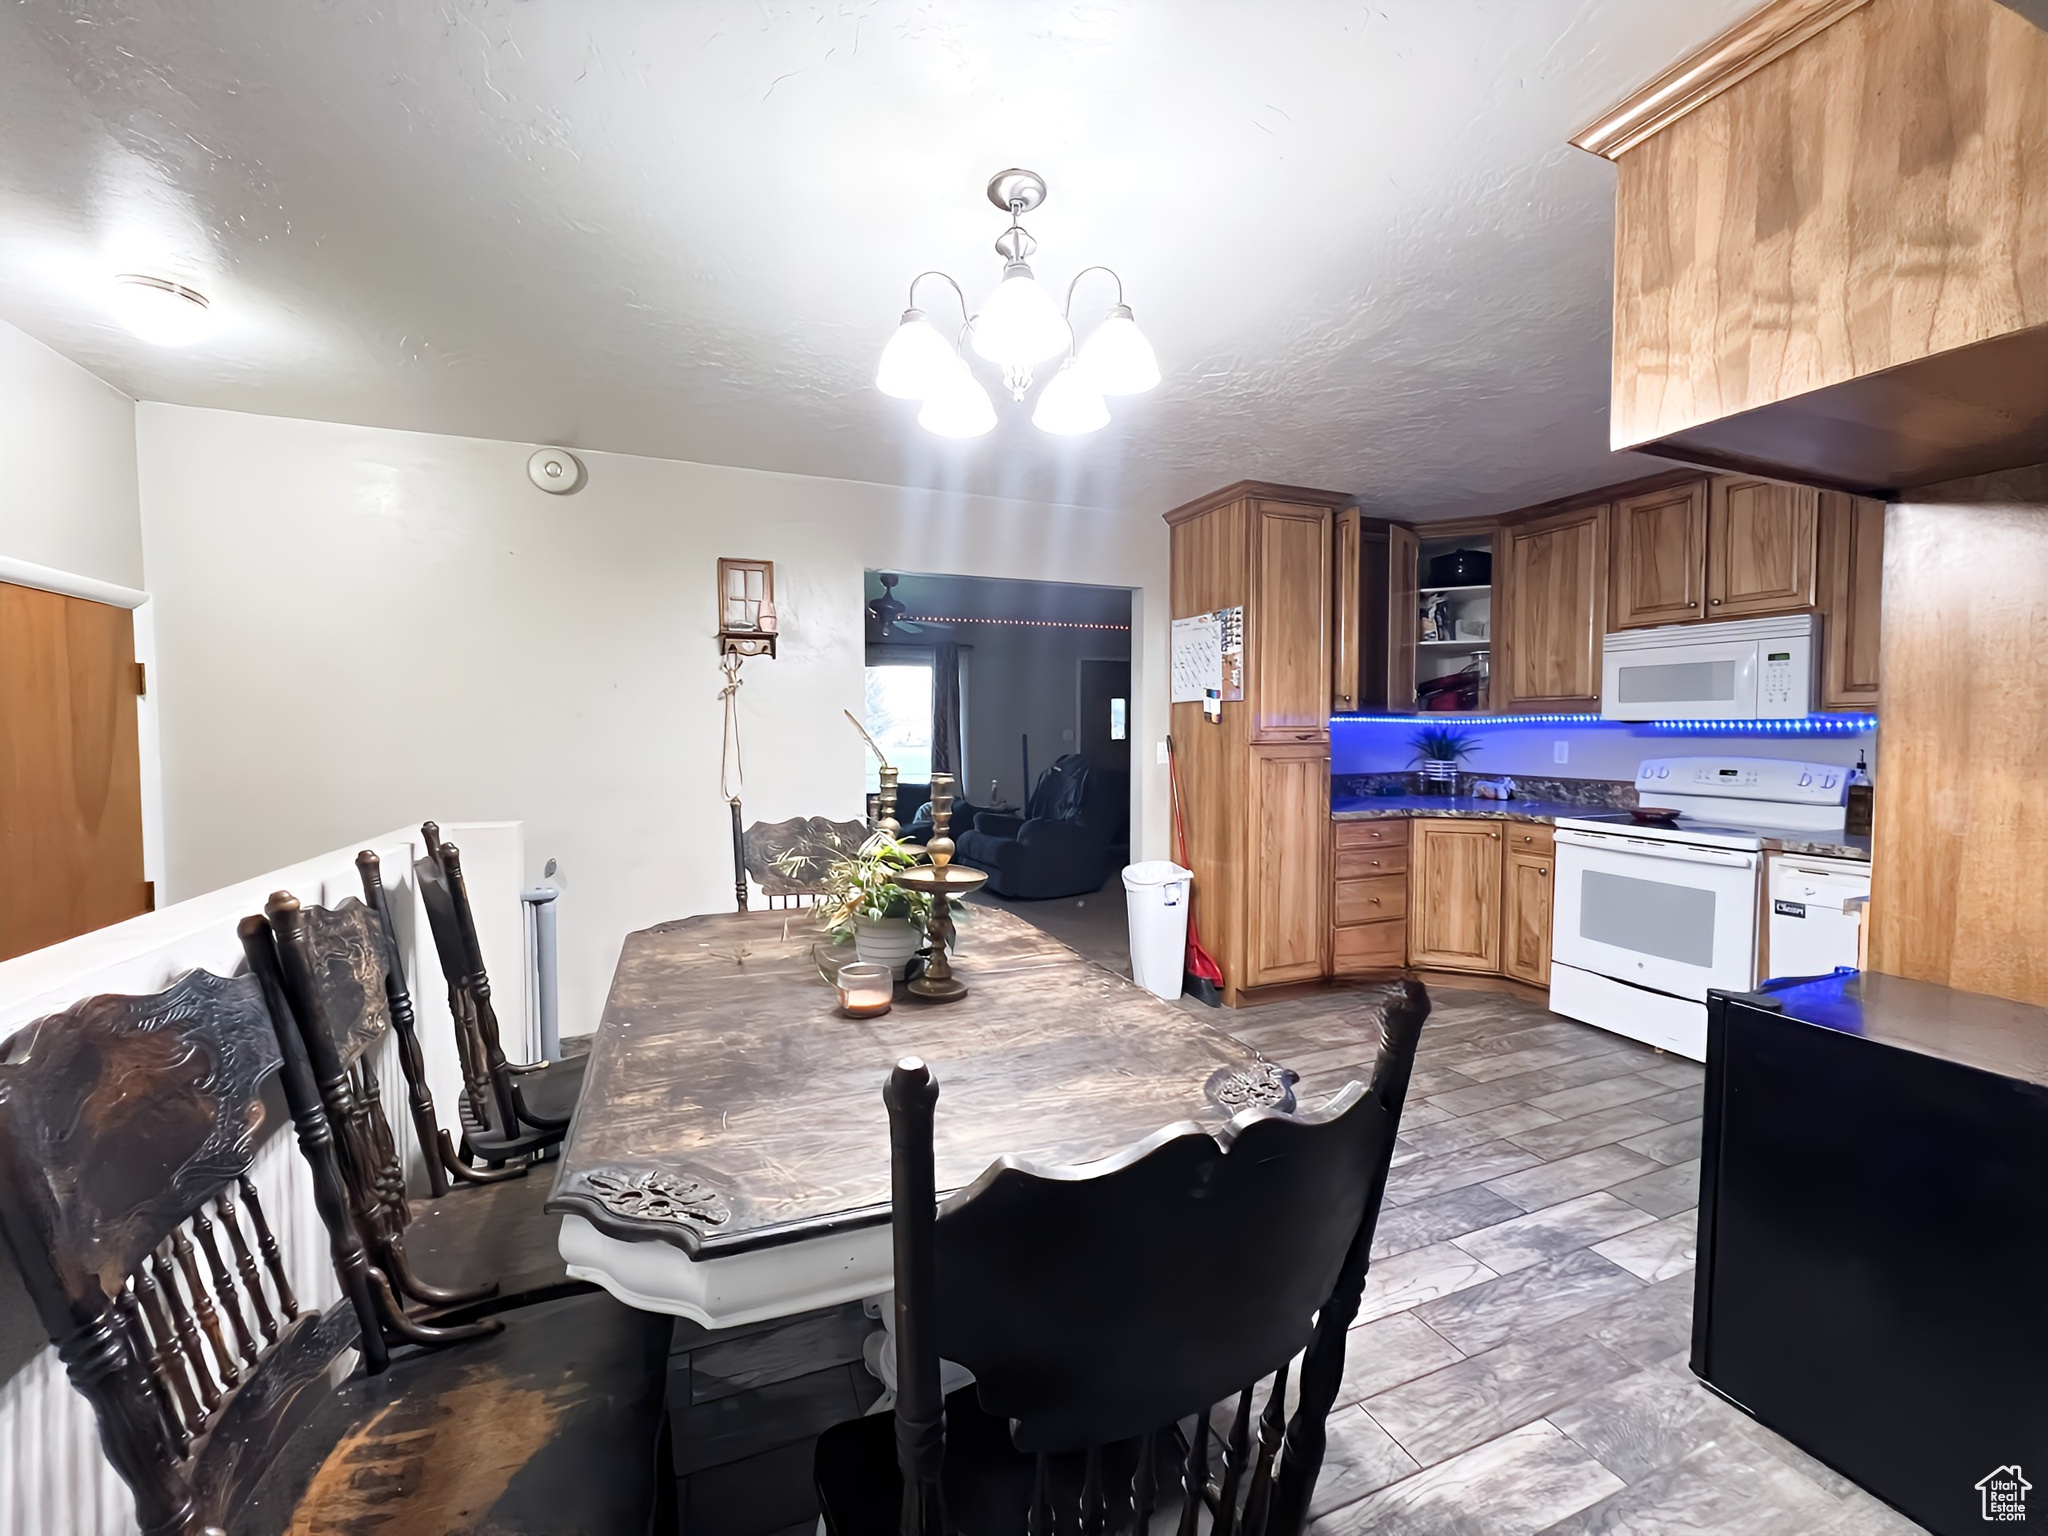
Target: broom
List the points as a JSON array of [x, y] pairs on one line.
[[1202, 972]]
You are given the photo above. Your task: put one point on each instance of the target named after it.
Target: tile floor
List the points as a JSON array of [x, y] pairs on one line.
[[1518, 1366]]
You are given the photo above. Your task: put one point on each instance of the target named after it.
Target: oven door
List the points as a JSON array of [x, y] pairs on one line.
[[1698, 680], [1671, 917]]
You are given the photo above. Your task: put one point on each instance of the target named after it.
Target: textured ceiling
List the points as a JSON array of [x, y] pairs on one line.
[[1354, 232]]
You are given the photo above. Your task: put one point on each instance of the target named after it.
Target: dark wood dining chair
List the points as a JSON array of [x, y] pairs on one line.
[[128, 1129], [1101, 1307], [789, 859], [510, 1109]]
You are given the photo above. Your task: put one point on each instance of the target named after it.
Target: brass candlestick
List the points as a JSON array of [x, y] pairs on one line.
[[886, 821], [942, 880]]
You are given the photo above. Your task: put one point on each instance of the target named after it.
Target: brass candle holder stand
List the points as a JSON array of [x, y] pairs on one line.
[[943, 881]]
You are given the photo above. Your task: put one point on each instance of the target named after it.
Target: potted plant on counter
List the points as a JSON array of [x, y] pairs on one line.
[[863, 902], [1438, 751]]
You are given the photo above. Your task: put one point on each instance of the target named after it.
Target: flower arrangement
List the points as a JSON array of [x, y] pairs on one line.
[[862, 884], [1441, 744]]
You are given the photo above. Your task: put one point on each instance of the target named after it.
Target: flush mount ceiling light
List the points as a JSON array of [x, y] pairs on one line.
[[159, 310], [1019, 328]]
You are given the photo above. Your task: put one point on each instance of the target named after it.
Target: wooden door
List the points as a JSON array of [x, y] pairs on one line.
[[1287, 666], [1525, 922], [70, 769], [1454, 895], [1347, 601], [1760, 541], [1658, 561], [1552, 611], [1287, 864], [1404, 580], [1851, 584]]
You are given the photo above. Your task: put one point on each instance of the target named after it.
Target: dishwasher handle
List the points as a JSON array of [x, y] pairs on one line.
[[1678, 853]]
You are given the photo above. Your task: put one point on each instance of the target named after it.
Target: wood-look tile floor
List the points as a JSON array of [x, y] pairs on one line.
[[1518, 1366]]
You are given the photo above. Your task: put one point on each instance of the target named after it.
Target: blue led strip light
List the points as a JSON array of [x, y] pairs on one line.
[[1805, 725]]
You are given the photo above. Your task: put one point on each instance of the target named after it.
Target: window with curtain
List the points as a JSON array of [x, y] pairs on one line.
[[899, 711]]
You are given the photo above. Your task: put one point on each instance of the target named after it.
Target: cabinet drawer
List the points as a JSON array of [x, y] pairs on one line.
[[1369, 901], [1391, 833], [1531, 837], [1369, 946], [1366, 863]]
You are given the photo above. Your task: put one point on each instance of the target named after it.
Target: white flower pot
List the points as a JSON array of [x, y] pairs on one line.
[[891, 941]]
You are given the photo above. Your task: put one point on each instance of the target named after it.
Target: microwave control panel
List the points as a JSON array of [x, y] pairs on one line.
[[1780, 678]]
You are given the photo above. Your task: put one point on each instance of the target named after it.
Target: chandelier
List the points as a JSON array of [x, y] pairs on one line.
[[1019, 328]]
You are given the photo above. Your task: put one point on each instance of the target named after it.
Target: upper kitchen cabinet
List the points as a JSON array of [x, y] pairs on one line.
[[1659, 557], [1760, 551], [1852, 594], [1831, 246], [1287, 622], [1552, 611]]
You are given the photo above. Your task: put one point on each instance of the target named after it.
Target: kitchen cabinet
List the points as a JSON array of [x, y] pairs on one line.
[[1760, 547], [1289, 819], [1287, 639], [1255, 782], [1552, 612], [1454, 894], [1525, 903], [1369, 896], [1827, 245], [1852, 597], [1360, 636], [1658, 560]]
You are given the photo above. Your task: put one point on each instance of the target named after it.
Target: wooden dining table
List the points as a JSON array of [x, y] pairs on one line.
[[729, 1161]]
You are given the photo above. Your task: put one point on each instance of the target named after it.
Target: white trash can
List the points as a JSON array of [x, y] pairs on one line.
[[1156, 893]]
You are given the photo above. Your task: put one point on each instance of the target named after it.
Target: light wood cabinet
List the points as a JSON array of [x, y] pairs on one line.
[[1454, 894], [1347, 609], [1552, 612], [1361, 635], [1658, 559], [1760, 547], [1255, 782], [1369, 896], [1287, 633], [1852, 597], [1404, 561], [1526, 896], [1289, 806]]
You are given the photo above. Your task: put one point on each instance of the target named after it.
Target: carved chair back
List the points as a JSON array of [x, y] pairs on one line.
[[789, 859], [338, 970], [494, 1091], [1102, 1304], [127, 1129]]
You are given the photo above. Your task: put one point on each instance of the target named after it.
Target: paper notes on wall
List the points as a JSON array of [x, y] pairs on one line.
[[1208, 658]]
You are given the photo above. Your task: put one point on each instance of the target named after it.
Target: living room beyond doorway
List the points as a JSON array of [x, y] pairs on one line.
[[1022, 691]]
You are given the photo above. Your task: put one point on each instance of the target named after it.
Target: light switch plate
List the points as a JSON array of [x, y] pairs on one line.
[[1162, 754]]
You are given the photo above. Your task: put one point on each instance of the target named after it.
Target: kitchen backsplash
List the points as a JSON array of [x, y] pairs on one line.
[[1595, 794], [1596, 750]]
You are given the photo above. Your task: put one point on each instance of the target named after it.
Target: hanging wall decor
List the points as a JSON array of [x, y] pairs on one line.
[[747, 622]]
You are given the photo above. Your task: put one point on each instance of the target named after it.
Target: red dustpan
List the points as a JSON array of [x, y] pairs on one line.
[[1203, 975]]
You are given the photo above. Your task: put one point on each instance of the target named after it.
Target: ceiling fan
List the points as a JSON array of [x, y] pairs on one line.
[[887, 610]]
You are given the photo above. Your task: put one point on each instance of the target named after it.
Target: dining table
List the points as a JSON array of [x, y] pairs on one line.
[[729, 1158]]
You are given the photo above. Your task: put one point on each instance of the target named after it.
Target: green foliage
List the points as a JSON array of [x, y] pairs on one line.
[[862, 884], [1441, 744]]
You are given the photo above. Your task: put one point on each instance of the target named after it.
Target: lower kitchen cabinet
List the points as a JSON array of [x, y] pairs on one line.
[[1369, 896], [1287, 919], [1454, 894], [1525, 910]]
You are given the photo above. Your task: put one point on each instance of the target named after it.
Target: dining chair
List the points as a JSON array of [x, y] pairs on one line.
[[789, 859], [128, 1130], [510, 1109], [1098, 1308]]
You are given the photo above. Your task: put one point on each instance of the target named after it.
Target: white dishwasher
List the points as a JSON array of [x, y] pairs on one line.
[[1810, 933]]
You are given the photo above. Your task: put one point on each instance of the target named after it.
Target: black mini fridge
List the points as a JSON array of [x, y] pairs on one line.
[[1873, 1242]]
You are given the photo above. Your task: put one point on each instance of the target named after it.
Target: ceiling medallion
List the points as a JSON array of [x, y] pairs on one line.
[[1018, 328]]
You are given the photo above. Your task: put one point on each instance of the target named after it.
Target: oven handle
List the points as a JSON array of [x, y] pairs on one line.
[[1678, 853]]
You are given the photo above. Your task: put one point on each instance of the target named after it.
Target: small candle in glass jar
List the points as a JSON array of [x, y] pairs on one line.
[[865, 989]]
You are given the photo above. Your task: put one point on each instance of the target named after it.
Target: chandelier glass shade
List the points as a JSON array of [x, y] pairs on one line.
[[1019, 328]]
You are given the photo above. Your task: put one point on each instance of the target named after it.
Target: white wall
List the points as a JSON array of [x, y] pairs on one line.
[[1608, 750], [68, 497], [354, 623]]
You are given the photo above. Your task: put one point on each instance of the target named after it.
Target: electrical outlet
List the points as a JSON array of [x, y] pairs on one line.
[[1560, 751], [1162, 754]]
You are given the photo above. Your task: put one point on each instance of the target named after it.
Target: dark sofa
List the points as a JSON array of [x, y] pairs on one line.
[[1069, 840]]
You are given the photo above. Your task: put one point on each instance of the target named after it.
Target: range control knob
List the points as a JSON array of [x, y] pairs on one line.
[[1830, 781], [1805, 779], [1663, 773]]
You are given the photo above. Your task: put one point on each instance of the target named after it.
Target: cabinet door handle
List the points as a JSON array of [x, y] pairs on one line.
[[1375, 901], [1543, 870], [1715, 601], [1692, 602], [1494, 836]]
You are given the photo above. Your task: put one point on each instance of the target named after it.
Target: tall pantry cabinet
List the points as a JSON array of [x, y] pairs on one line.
[[1255, 784]]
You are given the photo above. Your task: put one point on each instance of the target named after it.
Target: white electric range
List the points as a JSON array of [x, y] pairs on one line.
[[1647, 918]]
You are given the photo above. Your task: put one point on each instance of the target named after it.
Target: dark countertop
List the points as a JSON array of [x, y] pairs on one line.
[[1989, 1033], [1833, 845]]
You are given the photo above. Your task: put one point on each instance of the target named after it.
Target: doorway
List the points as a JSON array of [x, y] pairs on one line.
[[1104, 711]]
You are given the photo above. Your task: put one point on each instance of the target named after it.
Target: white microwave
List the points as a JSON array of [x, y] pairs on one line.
[[1739, 669]]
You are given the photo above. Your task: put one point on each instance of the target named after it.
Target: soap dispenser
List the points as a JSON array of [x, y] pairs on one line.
[[1862, 799]]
